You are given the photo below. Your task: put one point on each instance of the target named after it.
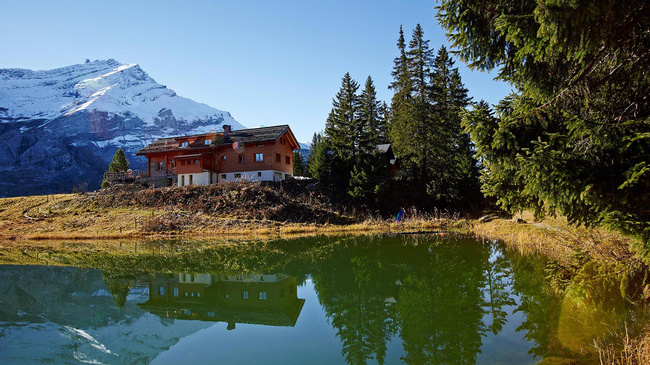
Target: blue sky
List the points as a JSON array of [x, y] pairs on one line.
[[266, 62]]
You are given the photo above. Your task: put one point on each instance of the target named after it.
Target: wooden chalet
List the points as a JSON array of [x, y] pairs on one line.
[[256, 154]]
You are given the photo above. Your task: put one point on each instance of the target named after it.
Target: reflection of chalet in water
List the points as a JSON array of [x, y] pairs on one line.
[[270, 300]]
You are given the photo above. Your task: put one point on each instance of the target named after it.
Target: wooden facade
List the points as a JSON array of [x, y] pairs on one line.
[[257, 154]]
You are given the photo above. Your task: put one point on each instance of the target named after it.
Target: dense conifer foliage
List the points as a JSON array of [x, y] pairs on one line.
[[575, 137], [425, 123], [422, 125], [345, 157], [299, 165]]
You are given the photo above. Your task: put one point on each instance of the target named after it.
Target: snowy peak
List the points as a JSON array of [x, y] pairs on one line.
[[105, 86]]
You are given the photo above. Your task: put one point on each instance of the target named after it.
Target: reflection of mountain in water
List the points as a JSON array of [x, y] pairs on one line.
[[253, 299], [66, 313], [73, 314]]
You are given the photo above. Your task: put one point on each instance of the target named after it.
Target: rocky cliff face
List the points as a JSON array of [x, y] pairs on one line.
[[59, 129]]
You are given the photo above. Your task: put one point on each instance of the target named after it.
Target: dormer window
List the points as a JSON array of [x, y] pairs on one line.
[[207, 142], [185, 144]]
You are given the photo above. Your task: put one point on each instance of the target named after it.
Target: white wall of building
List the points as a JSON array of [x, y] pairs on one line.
[[199, 178], [265, 175], [206, 178]]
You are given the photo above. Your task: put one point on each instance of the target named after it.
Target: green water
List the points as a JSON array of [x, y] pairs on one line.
[[319, 300]]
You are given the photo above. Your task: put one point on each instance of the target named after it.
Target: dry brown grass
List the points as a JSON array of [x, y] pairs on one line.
[[78, 217], [626, 350], [555, 238]]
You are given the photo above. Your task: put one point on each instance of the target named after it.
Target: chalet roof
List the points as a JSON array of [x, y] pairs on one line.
[[256, 134], [251, 135]]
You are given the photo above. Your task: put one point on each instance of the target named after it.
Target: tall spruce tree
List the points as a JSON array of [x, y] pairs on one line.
[[456, 170], [575, 138], [343, 127], [370, 117], [425, 121]]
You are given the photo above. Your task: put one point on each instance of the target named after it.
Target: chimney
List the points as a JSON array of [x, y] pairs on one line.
[[226, 129]]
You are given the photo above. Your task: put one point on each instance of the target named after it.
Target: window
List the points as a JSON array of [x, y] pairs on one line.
[[259, 145], [237, 176], [278, 158], [262, 295], [245, 294], [287, 160], [161, 166], [182, 180], [182, 162], [259, 157], [207, 141], [223, 176], [174, 164], [175, 292], [196, 162], [190, 183], [259, 174], [161, 290], [223, 157], [185, 144], [241, 158]]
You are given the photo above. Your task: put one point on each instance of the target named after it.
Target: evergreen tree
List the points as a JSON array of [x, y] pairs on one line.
[[455, 169], [299, 166], [370, 118], [343, 127], [425, 122], [318, 160], [119, 163], [576, 136], [383, 127]]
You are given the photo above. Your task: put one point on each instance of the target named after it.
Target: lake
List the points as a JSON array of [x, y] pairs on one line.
[[412, 299]]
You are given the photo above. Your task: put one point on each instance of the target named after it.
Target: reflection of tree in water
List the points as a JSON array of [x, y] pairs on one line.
[[565, 322], [356, 286], [433, 294], [539, 304], [498, 290], [119, 289], [440, 304]]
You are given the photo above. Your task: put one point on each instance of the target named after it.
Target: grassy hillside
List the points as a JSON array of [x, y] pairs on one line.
[[235, 209]]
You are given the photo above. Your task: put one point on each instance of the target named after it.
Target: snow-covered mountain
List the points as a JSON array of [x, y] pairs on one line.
[[60, 128]]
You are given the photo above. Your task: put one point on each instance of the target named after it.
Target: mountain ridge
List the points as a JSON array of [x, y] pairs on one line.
[[59, 128]]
